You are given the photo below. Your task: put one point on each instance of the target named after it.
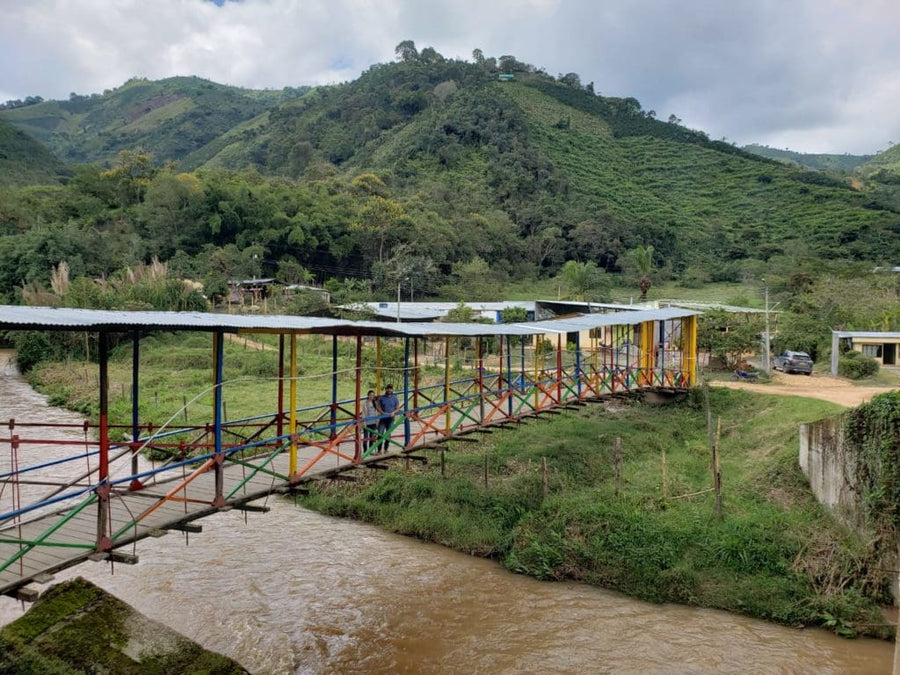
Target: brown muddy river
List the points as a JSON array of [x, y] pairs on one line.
[[295, 592]]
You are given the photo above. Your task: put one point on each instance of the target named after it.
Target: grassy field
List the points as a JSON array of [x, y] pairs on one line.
[[775, 554], [176, 377]]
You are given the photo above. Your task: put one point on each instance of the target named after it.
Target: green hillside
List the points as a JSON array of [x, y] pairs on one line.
[[172, 118], [431, 170], [551, 156], [889, 160], [24, 161], [822, 162]]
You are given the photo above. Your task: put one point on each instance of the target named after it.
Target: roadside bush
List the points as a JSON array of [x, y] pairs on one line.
[[855, 366]]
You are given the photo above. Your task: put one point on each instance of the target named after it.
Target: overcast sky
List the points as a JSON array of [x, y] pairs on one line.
[[809, 75]]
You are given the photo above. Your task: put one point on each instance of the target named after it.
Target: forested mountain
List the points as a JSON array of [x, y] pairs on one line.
[[24, 161], [172, 118], [426, 169], [821, 161]]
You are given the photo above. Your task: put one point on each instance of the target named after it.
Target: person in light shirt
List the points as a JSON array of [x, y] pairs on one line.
[[370, 420]]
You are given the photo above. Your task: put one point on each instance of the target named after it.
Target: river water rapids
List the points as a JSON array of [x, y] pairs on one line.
[[292, 591]]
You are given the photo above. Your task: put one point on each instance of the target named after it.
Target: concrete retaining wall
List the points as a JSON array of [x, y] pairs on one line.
[[830, 467]]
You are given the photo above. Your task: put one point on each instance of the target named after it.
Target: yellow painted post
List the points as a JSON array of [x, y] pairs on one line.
[[447, 384], [691, 343], [559, 348], [378, 366], [292, 462], [647, 330]]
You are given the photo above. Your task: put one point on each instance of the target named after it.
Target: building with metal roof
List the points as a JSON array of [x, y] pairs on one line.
[[883, 346]]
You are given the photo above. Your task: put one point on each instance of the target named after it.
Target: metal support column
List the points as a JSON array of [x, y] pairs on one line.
[[509, 384], [578, 364], [522, 367], [691, 346], [357, 447], [103, 486], [416, 376], [279, 420], [559, 369], [447, 384], [219, 351], [407, 432], [334, 386], [292, 402], [378, 391], [479, 365], [135, 407]]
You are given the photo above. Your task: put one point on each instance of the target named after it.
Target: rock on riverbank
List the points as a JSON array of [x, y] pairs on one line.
[[76, 627]]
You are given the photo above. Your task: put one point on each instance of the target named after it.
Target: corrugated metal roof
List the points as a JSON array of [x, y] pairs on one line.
[[710, 306], [62, 318], [68, 318], [425, 311], [869, 335]]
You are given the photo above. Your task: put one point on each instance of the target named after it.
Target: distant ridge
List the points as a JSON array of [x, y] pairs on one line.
[[172, 118], [819, 161]]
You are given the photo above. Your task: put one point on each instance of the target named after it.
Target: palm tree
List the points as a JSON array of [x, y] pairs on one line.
[[584, 281], [642, 259]]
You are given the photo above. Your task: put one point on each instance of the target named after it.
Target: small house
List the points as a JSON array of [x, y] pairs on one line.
[[880, 345]]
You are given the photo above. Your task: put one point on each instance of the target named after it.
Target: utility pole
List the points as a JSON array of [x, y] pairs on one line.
[[399, 284]]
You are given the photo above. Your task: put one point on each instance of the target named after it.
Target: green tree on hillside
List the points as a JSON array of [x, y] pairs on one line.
[[406, 51], [583, 281], [379, 218]]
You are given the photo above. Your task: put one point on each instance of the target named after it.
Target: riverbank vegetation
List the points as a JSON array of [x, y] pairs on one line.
[[644, 524]]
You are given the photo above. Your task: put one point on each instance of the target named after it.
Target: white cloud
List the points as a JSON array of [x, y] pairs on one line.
[[817, 75]]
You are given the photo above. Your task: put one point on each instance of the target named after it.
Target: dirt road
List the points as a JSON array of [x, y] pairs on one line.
[[825, 387]]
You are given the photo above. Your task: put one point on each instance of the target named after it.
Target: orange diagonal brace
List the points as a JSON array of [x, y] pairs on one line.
[[496, 407], [429, 424], [326, 448], [178, 488]]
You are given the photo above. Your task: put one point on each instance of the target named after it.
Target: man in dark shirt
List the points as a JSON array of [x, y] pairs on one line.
[[387, 406]]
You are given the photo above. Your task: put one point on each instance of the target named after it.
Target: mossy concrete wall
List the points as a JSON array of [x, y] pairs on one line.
[[830, 466]]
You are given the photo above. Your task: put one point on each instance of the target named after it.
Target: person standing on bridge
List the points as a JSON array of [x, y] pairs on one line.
[[387, 405], [370, 420]]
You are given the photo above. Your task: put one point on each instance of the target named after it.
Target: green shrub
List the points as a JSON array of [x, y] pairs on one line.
[[855, 366], [31, 348]]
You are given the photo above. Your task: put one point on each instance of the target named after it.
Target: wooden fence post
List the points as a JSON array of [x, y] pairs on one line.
[[545, 477], [617, 461], [717, 473], [665, 474]]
